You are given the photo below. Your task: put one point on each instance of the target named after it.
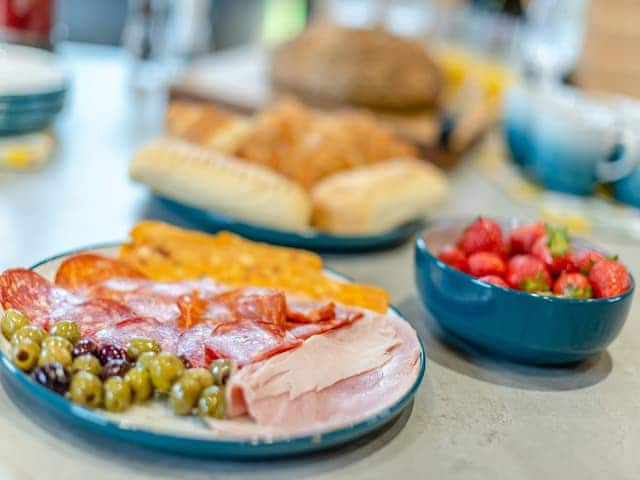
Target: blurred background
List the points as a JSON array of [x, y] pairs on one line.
[[539, 96], [593, 40]]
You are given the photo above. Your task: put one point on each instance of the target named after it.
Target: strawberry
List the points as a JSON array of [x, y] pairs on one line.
[[529, 273], [573, 285], [609, 278], [453, 256], [483, 235], [554, 249], [585, 260], [522, 238], [486, 263], [495, 280]]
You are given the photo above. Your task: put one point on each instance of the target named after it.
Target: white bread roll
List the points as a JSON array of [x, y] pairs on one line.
[[378, 197], [221, 183]]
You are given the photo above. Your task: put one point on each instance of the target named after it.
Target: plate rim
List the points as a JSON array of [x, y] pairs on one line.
[[296, 444], [310, 238]]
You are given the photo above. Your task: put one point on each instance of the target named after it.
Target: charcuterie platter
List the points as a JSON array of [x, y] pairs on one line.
[[207, 345]]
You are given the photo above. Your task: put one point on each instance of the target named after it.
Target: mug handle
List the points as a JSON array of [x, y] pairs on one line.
[[608, 171]]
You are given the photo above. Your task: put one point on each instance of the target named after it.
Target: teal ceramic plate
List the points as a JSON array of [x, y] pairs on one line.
[[186, 436], [310, 240]]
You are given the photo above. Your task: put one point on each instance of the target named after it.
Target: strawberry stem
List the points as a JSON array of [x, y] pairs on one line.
[[536, 283], [558, 240]]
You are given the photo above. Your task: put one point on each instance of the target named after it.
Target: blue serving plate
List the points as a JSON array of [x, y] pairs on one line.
[[310, 240], [194, 440], [521, 326]]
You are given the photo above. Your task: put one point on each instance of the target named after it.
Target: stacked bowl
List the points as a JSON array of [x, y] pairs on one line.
[[32, 89]]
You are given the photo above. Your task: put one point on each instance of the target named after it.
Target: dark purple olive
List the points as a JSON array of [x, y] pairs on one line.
[[111, 352], [185, 361], [117, 367], [84, 346], [54, 376]]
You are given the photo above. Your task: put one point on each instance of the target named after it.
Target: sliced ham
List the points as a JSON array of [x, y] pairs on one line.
[[369, 366]]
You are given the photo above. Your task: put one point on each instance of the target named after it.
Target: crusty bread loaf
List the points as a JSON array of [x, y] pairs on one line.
[[330, 65], [218, 182], [376, 198]]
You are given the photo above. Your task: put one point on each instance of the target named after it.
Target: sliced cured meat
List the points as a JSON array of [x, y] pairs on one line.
[[159, 300], [288, 403], [343, 353], [259, 305], [86, 269], [123, 331], [242, 341], [95, 314], [342, 316], [192, 307], [191, 344], [46, 304], [309, 311], [33, 295]]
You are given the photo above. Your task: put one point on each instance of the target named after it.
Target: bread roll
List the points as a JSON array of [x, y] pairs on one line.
[[330, 65], [207, 125], [221, 183], [376, 198]]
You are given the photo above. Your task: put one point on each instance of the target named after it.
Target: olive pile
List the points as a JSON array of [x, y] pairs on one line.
[[111, 377]]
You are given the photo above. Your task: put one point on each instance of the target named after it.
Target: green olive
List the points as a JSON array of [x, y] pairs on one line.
[[12, 321], [36, 334], [55, 354], [66, 329], [57, 342], [140, 383], [145, 360], [184, 395], [202, 375], [165, 369], [139, 345], [211, 402], [86, 389], [24, 354], [86, 363], [117, 394], [220, 369]]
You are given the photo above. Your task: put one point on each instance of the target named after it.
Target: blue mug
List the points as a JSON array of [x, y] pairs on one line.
[[566, 140], [627, 189]]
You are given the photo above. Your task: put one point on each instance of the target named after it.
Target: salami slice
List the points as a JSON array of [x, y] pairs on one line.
[[87, 269], [123, 331], [310, 311], [342, 317], [96, 314], [258, 305], [243, 342], [34, 296]]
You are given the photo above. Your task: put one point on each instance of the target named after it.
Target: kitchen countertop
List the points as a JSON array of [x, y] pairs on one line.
[[473, 417]]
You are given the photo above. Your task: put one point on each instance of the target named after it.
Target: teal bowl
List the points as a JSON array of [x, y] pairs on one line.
[[521, 326]]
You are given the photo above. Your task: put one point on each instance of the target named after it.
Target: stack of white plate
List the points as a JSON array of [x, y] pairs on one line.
[[32, 89]]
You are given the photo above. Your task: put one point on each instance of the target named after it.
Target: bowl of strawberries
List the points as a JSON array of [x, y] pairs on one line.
[[526, 291]]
